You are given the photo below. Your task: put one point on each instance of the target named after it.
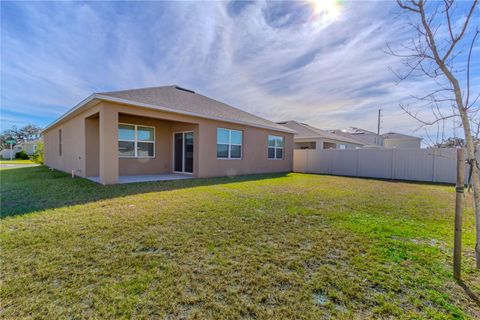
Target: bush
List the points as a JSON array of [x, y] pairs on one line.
[[21, 155], [37, 156]]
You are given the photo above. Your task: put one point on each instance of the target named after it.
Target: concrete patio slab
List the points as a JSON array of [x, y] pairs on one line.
[[147, 178]]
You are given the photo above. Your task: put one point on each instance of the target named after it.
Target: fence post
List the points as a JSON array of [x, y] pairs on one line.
[[457, 248], [392, 169], [307, 160], [329, 161], [358, 162]]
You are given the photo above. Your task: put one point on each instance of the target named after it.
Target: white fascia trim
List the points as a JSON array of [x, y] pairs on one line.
[[155, 107]]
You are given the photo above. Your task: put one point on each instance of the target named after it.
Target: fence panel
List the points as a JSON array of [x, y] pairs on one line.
[[433, 165], [374, 163], [414, 164], [344, 163]]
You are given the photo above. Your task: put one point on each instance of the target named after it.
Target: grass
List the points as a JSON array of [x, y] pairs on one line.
[[269, 246], [16, 161]]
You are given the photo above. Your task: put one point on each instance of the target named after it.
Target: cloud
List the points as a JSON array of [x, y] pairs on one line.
[[279, 60]]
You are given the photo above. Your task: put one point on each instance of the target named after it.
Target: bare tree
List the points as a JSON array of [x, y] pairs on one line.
[[441, 50]]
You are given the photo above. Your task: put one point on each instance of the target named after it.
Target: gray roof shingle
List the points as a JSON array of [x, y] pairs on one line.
[[178, 99]]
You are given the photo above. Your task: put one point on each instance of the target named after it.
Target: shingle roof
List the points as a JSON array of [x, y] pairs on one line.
[[305, 131], [395, 135], [178, 99], [357, 136]]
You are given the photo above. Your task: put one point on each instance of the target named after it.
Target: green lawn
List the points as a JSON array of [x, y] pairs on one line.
[[284, 246], [16, 161]]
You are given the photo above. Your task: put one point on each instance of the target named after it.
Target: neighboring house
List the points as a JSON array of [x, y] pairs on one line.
[[28, 146], [308, 137], [369, 139], [398, 140], [164, 130], [373, 140]]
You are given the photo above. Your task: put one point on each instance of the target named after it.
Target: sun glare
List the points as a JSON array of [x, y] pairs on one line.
[[329, 9]]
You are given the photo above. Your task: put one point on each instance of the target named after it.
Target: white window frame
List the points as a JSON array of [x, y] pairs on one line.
[[229, 144], [136, 141], [275, 147]]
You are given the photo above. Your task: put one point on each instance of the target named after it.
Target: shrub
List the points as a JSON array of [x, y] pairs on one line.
[[37, 156], [21, 155]]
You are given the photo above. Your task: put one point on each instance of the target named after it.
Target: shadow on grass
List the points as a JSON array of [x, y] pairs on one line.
[[387, 180], [26, 190], [469, 292]]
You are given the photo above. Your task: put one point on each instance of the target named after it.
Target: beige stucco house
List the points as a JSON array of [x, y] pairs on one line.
[[169, 130], [399, 140], [373, 140]]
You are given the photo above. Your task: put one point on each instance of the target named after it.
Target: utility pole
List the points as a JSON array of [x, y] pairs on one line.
[[379, 120]]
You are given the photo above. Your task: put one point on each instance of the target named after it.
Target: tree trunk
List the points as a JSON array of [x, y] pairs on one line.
[[471, 156]]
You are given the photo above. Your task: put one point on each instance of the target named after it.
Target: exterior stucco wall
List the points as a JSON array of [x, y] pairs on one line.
[[255, 151], [75, 142], [402, 143], [162, 162], [92, 147]]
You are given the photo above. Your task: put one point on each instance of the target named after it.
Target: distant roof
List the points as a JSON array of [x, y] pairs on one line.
[[354, 131], [305, 131], [394, 135], [179, 100], [354, 136]]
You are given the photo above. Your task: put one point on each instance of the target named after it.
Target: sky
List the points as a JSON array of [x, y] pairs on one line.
[[276, 59]]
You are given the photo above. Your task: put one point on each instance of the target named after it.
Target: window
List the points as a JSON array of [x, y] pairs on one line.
[[329, 145], [229, 144], [275, 147], [342, 146], [136, 141], [60, 142]]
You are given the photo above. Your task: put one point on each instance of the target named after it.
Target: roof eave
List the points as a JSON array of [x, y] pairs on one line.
[[155, 107], [77, 107]]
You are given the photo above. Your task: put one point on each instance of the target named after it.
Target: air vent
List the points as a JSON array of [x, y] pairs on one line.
[[183, 89]]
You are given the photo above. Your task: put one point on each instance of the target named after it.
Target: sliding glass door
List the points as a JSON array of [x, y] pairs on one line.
[[183, 152]]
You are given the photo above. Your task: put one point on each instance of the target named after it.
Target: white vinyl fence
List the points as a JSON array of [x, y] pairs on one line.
[[433, 165]]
